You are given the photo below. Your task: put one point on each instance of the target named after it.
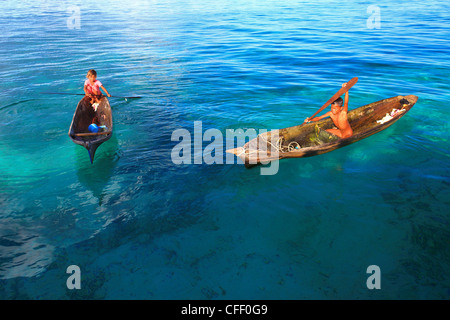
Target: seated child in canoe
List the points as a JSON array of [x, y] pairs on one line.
[[339, 116], [92, 88]]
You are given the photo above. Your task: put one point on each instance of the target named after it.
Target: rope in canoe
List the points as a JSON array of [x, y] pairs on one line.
[[293, 145]]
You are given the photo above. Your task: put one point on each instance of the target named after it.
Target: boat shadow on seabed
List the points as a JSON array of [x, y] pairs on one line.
[[95, 177]]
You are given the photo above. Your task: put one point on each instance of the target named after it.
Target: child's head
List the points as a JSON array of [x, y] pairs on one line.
[[336, 105], [92, 74]]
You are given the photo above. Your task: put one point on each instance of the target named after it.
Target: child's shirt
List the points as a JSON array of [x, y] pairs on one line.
[[93, 88]]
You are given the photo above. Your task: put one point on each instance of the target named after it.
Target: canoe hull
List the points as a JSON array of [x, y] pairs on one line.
[[85, 115], [363, 121]]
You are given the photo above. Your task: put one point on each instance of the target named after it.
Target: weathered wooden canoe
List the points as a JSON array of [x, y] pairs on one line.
[[311, 139], [84, 116]]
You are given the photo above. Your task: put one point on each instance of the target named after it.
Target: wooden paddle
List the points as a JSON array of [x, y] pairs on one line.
[[82, 94], [343, 90]]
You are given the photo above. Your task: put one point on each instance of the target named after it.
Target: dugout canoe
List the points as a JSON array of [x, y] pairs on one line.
[[311, 139], [84, 116]]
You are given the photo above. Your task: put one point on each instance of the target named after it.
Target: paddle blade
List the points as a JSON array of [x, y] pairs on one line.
[[343, 90], [135, 97]]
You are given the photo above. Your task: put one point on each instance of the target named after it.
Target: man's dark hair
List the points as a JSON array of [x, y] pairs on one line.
[[339, 101]]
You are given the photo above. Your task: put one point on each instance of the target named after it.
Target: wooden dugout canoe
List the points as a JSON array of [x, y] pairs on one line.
[[84, 115], [312, 141]]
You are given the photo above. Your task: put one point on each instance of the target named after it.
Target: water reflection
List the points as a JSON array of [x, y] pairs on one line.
[[95, 177]]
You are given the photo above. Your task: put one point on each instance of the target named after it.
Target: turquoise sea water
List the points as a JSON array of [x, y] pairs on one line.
[[139, 226]]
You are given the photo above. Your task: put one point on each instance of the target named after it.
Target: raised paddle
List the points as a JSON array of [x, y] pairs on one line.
[[82, 94], [343, 90]]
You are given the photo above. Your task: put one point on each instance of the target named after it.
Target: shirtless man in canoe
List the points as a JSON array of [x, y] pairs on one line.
[[339, 116]]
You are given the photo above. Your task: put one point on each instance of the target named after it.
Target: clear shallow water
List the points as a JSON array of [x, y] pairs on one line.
[[141, 227]]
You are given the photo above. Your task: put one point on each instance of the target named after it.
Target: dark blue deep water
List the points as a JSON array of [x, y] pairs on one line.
[[140, 226]]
